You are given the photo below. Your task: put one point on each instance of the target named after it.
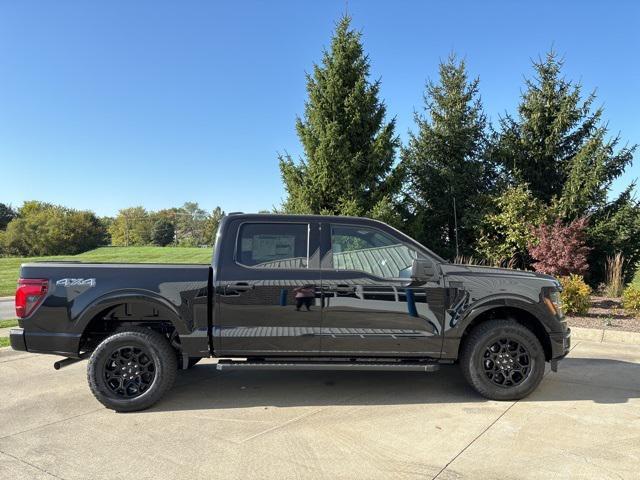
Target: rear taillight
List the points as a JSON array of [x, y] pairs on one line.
[[29, 294]]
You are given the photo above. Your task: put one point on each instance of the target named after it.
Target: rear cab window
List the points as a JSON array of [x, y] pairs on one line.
[[274, 245]]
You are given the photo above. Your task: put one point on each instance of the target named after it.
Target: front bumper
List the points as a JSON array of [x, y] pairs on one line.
[[560, 344], [16, 338]]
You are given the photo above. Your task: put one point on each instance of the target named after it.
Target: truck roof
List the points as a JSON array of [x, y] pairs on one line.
[[298, 217]]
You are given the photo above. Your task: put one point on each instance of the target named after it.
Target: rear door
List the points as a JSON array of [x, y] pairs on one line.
[[269, 268], [370, 305]]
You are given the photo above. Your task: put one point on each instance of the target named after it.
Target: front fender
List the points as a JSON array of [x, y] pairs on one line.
[[520, 302]]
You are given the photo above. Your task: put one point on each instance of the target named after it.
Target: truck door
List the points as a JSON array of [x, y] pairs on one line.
[[268, 289], [371, 307]]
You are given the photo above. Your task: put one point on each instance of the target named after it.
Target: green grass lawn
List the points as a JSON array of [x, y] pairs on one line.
[[4, 341], [10, 266], [9, 323]]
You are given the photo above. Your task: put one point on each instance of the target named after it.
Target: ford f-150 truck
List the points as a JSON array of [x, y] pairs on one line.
[[293, 292]]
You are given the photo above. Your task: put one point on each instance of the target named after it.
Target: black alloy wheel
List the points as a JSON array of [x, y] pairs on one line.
[[129, 371], [507, 362]]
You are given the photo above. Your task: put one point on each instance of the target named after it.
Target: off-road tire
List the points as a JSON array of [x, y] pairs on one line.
[[158, 350], [474, 355]]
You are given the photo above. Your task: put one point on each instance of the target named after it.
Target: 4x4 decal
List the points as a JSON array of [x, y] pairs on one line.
[[77, 282]]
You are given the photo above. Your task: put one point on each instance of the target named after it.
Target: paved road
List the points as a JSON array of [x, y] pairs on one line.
[[7, 308], [583, 422]]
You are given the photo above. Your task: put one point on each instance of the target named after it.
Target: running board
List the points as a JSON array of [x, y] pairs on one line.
[[405, 367]]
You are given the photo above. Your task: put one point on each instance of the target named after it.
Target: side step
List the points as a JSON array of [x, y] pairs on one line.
[[224, 364]]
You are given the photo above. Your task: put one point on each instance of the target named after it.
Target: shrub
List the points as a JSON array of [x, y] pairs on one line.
[[507, 232], [560, 249], [614, 279], [631, 298], [575, 295]]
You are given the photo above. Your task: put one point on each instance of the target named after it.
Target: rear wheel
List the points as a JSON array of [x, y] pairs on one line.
[[502, 360], [132, 369]]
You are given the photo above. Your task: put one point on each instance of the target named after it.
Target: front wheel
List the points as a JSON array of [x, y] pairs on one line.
[[132, 369], [502, 360]]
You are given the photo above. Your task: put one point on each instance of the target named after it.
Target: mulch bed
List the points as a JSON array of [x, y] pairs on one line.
[[606, 313]]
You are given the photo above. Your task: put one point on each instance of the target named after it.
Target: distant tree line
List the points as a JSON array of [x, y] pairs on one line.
[[188, 226], [39, 228], [462, 186]]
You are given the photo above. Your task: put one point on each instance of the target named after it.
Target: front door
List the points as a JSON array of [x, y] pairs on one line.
[[370, 305], [268, 293]]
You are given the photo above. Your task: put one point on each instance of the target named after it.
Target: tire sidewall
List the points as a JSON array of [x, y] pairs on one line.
[[485, 385], [98, 362]]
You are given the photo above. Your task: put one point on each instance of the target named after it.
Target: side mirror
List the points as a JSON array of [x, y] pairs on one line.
[[424, 270]]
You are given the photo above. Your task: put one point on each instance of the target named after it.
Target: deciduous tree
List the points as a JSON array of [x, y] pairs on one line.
[[131, 227], [163, 233], [191, 222], [6, 215], [560, 249], [211, 225], [45, 229], [507, 232]]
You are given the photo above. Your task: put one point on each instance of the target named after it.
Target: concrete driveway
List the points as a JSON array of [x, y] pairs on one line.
[[583, 422]]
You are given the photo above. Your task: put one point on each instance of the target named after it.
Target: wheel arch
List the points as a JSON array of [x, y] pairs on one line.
[[110, 311], [509, 312]]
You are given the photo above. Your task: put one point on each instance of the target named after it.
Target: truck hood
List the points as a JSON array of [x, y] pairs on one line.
[[493, 272]]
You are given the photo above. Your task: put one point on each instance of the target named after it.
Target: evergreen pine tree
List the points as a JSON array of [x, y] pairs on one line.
[[349, 149], [558, 144], [444, 160], [560, 148]]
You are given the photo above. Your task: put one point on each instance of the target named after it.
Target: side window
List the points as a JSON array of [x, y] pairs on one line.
[[273, 245], [372, 251]]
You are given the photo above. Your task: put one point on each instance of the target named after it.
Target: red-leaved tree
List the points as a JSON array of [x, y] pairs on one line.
[[560, 249]]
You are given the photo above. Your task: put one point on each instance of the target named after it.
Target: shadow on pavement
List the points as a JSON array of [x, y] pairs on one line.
[[591, 379]]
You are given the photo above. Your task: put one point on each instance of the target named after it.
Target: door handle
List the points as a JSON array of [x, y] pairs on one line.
[[238, 287], [342, 289]]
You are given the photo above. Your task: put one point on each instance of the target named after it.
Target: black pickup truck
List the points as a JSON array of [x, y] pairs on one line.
[[293, 292]]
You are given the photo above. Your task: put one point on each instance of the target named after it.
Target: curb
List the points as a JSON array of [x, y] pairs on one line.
[[6, 299], [604, 335]]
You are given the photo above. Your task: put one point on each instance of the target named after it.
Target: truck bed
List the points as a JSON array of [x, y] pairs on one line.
[[176, 291]]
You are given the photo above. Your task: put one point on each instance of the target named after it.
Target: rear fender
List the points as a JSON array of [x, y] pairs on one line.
[[167, 311]]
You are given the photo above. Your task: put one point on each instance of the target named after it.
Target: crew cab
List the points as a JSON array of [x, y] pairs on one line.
[[293, 292]]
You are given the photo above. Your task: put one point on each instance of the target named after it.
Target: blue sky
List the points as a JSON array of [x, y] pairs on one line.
[[115, 104]]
